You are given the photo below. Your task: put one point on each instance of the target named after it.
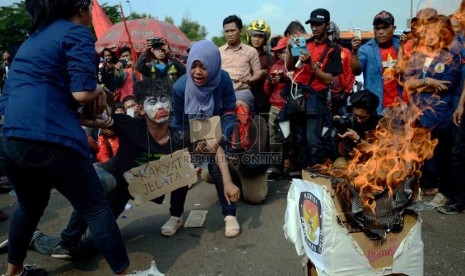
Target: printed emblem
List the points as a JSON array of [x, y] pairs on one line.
[[439, 68]]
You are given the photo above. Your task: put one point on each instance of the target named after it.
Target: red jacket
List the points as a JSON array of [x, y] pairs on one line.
[[107, 147], [273, 89]]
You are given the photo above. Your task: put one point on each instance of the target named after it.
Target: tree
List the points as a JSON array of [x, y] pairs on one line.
[[192, 29], [169, 19], [221, 40], [14, 26]]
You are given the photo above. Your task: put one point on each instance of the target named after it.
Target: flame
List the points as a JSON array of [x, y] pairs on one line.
[[394, 151]]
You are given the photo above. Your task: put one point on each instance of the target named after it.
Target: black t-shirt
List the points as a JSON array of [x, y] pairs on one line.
[[137, 147]]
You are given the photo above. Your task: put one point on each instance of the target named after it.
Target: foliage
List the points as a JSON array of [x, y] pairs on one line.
[[14, 26], [193, 30], [169, 19]]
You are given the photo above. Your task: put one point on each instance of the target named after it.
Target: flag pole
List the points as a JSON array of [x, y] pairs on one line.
[[131, 45]]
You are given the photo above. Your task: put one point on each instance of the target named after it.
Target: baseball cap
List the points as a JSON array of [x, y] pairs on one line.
[[384, 17], [318, 16], [282, 44]]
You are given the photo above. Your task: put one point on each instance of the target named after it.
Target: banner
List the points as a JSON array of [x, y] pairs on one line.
[[160, 177]]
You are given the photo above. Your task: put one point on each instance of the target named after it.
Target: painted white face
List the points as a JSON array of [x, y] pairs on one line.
[[158, 109]]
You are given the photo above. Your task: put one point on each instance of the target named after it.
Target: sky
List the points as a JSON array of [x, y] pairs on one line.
[[347, 14]]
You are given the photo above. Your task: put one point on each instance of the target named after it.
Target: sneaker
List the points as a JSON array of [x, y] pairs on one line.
[[451, 208], [62, 251], [152, 271], [231, 228], [171, 226], [438, 201]]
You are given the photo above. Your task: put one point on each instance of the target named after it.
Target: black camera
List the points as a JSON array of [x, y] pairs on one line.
[[157, 42], [124, 62], [342, 123]]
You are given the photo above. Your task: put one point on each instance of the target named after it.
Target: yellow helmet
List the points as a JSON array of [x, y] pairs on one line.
[[258, 27]]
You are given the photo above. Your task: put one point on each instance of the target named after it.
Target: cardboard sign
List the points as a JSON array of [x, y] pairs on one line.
[[205, 129], [160, 177]]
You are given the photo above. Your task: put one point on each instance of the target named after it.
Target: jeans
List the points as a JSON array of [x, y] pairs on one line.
[[34, 168], [215, 173]]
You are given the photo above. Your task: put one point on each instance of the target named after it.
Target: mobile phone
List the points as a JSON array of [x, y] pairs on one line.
[[358, 33]]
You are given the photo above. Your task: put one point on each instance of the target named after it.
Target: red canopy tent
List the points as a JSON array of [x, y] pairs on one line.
[[140, 30]]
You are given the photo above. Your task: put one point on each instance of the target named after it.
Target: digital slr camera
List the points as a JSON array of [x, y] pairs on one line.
[[342, 123], [157, 42]]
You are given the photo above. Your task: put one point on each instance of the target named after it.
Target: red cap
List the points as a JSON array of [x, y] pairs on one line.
[[282, 44]]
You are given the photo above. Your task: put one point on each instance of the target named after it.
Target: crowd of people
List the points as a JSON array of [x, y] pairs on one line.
[[286, 103]]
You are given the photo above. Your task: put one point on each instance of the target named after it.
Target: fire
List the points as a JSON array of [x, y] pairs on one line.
[[394, 151]]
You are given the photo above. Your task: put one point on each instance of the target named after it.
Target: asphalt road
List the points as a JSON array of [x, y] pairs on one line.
[[261, 249]]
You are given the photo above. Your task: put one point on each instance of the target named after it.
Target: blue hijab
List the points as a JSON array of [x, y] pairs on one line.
[[198, 101]]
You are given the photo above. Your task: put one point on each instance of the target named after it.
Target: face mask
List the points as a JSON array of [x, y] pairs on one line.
[[152, 106]]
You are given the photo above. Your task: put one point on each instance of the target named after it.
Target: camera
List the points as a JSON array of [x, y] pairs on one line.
[[108, 60], [298, 46], [342, 123], [157, 42], [124, 62]]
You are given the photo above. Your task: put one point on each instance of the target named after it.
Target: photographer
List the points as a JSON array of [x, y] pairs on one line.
[[107, 70], [319, 60], [124, 75], [352, 128], [157, 62]]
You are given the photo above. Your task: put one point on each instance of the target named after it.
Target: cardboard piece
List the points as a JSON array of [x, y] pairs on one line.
[[160, 177], [205, 129], [379, 255], [195, 219]]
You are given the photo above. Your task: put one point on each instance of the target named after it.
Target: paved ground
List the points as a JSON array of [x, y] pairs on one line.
[[261, 249]]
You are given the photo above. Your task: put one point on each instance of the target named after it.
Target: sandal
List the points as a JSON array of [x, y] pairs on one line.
[[232, 228]]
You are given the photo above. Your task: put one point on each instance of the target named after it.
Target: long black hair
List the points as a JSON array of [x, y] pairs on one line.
[[43, 12]]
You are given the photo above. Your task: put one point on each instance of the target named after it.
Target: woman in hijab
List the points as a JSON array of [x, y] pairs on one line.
[[205, 91]]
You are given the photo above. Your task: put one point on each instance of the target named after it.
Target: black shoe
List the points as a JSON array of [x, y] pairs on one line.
[[63, 251], [452, 208]]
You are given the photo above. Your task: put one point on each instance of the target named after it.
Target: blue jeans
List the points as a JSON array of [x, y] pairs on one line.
[[34, 168], [215, 173]]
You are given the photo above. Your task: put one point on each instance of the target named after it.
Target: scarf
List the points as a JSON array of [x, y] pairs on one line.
[[198, 102]]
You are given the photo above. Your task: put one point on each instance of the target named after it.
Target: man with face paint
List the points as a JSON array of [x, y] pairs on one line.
[[141, 139]]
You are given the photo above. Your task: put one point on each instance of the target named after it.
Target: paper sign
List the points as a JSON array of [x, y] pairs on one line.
[[160, 177], [195, 219], [205, 129]]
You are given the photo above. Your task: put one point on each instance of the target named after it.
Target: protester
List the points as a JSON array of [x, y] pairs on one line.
[[131, 107], [124, 75], [204, 92], [108, 144], [43, 139], [157, 62], [316, 66], [247, 154], [431, 78], [352, 128], [258, 34], [376, 59], [341, 85], [241, 61], [275, 87], [107, 70]]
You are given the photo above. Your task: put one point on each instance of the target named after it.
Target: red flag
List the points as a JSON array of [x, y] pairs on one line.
[[100, 20]]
